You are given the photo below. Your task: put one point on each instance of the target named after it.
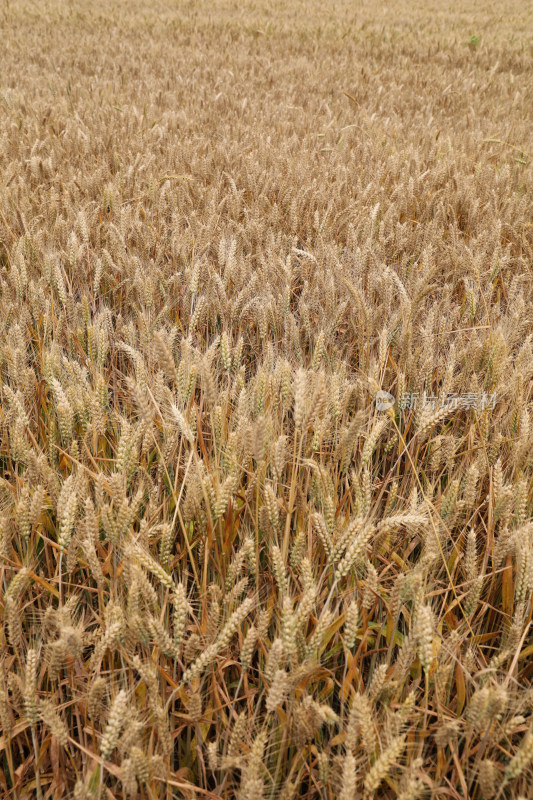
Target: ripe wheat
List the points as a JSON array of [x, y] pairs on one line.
[[224, 227]]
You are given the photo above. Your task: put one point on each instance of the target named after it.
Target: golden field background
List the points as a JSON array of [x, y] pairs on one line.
[[225, 573]]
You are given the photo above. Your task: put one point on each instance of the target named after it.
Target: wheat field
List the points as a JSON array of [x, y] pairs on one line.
[[227, 571]]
